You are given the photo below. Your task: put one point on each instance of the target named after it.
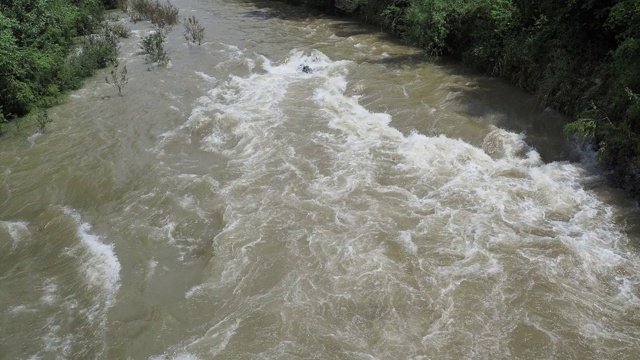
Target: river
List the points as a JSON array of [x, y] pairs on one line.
[[381, 206]]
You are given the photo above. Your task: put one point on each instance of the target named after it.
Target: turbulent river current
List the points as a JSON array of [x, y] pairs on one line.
[[379, 206]]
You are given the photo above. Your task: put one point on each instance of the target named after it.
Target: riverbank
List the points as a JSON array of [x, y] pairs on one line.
[[577, 58], [48, 48]]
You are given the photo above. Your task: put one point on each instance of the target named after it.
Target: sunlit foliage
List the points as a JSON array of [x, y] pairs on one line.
[[46, 49]]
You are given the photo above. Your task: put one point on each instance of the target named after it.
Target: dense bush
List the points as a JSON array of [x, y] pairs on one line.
[[36, 38]]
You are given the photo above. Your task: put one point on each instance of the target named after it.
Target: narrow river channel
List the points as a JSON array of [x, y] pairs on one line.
[[380, 206]]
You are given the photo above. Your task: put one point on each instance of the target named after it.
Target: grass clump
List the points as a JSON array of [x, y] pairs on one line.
[[194, 32]]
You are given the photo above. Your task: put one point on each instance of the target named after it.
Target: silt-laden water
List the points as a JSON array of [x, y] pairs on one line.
[[381, 206]]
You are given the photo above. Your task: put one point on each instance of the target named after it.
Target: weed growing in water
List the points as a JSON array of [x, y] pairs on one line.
[[119, 29], [100, 49], [162, 15], [139, 10], [123, 5], [18, 122], [3, 121], [153, 46], [42, 119], [194, 32], [118, 78]]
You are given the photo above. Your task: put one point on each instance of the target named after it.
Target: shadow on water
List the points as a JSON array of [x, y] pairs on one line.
[[493, 102], [280, 10], [488, 101]]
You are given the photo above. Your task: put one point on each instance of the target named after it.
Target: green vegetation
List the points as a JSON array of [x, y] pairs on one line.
[[152, 45], [162, 15], [579, 57], [119, 29], [118, 78], [3, 122], [193, 31], [48, 47], [42, 119]]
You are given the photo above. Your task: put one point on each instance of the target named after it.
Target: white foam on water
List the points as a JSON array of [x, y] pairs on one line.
[[78, 320], [207, 78], [151, 270], [505, 184], [21, 309], [50, 296], [210, 345], [18, 231], [194, 291], [57, 343], [239, 106], [32, 138], [102, 267], [397, 244], [216, 339], [182, 356]]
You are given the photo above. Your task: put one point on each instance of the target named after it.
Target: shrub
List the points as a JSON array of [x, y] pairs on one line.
[[42, 119], [194, 32], [18, 123], [153, 46], [119, 29], [164, 15], [100, 50], [118, 78], [123, 5], [110, 4], [161, 15], [3, 121], [139, 10]]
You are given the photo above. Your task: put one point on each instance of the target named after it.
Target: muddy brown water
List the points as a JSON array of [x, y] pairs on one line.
[[382, 206]]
